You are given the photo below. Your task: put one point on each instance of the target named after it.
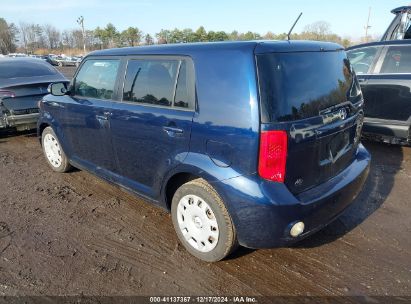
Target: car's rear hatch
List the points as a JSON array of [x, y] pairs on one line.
[[23, 82], [310, 91], [23, 99]]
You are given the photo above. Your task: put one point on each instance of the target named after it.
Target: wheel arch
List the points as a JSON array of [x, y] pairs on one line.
[[173, 183], [194, 166], [41, 128]]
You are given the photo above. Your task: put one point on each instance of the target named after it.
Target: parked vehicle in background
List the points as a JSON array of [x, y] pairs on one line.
[[400, 27], [50, 59], [67, 61], [384, 72], [250, 143], [14, 55], [23, 82]]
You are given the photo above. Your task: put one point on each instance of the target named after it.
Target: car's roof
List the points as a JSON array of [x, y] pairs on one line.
[[400, 9], [189, 48], [381, 43]]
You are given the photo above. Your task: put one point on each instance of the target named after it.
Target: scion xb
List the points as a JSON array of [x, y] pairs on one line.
[[245, 143]]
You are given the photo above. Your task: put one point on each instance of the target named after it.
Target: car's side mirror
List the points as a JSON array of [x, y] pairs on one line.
[[57, 89]]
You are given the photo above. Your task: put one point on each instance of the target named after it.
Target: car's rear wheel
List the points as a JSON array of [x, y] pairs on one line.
[[202, 221], [55, 156], [60, 64]]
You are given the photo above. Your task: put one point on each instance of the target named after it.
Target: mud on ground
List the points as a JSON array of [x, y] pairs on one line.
[[69, 234]]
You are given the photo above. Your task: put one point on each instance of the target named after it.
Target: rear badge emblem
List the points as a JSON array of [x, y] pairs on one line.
[[342, 113]]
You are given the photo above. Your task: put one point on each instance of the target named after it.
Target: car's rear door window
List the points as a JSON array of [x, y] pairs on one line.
[[397, 60], [362, 59], [184, 97], [159, 82], [97, 78], [150, 81]]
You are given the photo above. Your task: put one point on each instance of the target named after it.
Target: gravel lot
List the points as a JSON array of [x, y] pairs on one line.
[[71, 234]]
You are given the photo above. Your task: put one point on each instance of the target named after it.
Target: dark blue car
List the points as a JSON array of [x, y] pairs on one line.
[[246, 143]]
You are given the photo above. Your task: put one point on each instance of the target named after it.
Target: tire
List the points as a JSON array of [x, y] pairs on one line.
[[60, 64], [191, 215], [52, 150]]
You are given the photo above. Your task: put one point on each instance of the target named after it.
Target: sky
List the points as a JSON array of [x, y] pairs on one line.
[[347, 18]]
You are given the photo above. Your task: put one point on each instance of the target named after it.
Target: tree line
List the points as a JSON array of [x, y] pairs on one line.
[[35, 38]]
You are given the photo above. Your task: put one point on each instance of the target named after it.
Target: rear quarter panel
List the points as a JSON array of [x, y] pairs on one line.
[[224, 140]]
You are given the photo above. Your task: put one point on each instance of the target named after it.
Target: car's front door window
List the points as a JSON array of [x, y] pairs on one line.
[[96, 79]]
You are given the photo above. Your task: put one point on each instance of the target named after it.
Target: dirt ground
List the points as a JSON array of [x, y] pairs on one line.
[[71, 234]]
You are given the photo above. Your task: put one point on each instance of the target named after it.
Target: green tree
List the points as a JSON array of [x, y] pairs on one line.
[[163, 36], [131, 36], [176, 36], [221, 36], [250, 36], [148, 39], [201, 34], [99, 36], [108, 37], [111, 35], [234, 36], [8, 34], [189, 35]]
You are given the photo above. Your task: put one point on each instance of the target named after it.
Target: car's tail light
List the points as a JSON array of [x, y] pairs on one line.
[[7, 94], [273, 155]]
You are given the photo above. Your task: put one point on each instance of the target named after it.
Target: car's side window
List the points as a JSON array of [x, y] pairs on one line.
[[96, 78], [397, 60], [362, 59], [184, 97], [150, 81], [161, 82]]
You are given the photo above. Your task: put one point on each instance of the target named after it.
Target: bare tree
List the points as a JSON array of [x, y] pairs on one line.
[[67, 39], [52, 36], [24, 32], [32, 36], [319, 30]]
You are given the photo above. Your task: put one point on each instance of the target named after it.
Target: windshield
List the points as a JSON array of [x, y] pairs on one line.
[[298, 85]]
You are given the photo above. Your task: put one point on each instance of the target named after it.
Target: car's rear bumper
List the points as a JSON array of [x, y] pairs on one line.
[[390, 131], [20, 122], [263, 212]]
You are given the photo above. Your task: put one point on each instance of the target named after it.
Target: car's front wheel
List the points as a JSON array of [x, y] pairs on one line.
[[202, 221], [55, 156]]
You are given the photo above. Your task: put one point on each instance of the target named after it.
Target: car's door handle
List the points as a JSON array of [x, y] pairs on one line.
[[362, 80], [172, 131], [102, 117], [105, 116]]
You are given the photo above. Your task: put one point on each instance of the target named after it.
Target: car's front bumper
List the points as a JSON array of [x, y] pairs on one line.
[[263, 211]]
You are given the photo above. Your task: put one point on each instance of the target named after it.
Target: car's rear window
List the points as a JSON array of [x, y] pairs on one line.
[[298, 85], [18, 69]]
